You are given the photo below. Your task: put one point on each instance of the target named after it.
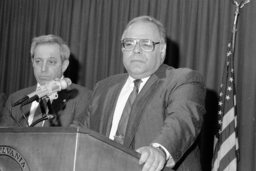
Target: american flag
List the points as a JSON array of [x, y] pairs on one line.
[[225, 155]]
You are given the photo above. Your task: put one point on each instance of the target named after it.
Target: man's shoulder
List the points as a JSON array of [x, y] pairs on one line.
[[81, 89], [181, 73], [24, 91], [188, 74], [113, 79], [20, 93]]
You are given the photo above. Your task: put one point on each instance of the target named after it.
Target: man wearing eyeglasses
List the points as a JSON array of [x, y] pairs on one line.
[[164, 105]]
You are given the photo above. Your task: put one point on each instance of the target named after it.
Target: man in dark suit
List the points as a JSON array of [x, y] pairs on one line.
[[166, 115], [50, 59]]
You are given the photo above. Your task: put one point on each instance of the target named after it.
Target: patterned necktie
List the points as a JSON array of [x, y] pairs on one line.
[[120, 133]]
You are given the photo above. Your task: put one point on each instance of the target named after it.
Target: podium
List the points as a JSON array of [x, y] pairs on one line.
[[62, 149]]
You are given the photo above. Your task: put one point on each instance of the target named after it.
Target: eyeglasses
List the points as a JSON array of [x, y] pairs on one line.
[[145, 44]]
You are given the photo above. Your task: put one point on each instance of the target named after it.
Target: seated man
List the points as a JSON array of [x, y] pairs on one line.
[[154, 108], [50, 59]]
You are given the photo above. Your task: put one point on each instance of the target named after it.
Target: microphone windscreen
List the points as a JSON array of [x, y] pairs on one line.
[[65, 82]]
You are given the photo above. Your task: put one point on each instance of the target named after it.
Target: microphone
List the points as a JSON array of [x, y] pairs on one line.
[[45, 90]]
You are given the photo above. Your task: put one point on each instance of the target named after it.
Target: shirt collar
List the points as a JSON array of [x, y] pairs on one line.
[[143, 81]]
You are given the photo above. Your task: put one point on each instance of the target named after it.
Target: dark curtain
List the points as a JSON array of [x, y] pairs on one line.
[[198, 33]]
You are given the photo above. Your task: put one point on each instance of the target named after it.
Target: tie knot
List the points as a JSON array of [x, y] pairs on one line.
[[137, 84]]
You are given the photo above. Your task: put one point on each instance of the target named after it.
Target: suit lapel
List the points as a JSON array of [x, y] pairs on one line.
[[21, 113], [59, 107], [112, 97]]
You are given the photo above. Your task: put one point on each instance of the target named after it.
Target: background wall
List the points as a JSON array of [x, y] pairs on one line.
[[198, 33]]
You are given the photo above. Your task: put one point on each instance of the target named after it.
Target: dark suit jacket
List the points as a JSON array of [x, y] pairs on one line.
[[71, 103], [168, 110]]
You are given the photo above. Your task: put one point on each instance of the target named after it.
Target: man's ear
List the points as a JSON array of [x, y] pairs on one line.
[[65, 65], [163, 52], [32, 61]]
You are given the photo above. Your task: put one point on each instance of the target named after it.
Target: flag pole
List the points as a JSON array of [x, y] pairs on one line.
[[238, 6], [237, 11]]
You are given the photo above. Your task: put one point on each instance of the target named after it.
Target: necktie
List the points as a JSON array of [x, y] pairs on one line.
[[120, 134]]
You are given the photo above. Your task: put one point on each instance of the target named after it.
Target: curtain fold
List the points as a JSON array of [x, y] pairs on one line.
[[198, 34]]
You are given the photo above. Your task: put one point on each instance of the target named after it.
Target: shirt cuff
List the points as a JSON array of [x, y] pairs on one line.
[[167, 154]]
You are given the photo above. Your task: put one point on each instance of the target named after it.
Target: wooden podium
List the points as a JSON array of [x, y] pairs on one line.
[[62, 149]]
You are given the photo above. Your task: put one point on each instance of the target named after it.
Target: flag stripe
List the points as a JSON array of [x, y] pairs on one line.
[[228, 118], [232, 165], [228, 131], [226, 162], [225, 146]]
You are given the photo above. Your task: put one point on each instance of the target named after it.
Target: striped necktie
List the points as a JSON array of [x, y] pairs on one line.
[[121, 130]]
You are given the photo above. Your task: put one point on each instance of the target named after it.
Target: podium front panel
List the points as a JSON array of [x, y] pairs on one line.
[[61, 149]]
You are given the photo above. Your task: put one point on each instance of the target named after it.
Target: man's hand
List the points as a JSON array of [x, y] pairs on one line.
[[153, 158]]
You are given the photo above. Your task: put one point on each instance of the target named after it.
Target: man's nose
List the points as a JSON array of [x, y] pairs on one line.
[[44, 67], [137, 48]]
